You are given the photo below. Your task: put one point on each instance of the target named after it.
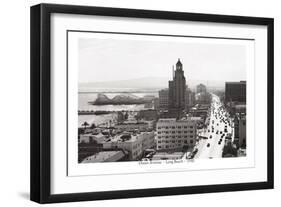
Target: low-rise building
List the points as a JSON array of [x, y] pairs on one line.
[[105, 156], [175, 134], [168, 156], [131, 126], [203, 98], [134, 144], [150, 114], [200, 110], [91, 137]]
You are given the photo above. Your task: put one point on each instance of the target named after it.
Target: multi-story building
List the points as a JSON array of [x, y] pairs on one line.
[[240, 131], [175, 134], [134, 144], [155, 103], [189, 98], [177, 88], [235, 92], [201, 88], [92, 138], [163, 99]]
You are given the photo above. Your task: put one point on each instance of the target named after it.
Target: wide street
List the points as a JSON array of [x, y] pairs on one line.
[[218, 130]]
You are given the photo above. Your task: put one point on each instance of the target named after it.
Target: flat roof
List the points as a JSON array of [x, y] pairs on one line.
[[103, 156]]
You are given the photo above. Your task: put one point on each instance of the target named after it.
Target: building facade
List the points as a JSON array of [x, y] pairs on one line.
[[201, 88], [235, 92], [175, 134], [163, 99], [132, 144], [240, 131], [150, 114], [177, 88], [189, 98]]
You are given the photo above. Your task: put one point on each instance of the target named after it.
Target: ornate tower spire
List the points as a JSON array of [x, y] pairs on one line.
[[179, 65]]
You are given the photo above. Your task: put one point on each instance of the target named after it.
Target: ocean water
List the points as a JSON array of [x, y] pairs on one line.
[[85, 98]]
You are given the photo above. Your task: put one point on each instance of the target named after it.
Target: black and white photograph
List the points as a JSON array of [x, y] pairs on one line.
[[132, 103], [147, 98]]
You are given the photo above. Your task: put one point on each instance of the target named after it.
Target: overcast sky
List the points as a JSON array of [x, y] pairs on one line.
[[114, 59]]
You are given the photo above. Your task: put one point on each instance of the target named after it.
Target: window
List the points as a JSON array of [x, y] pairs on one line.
[[191, 141], [191, 127], [191, 136], [191, 131], [179, 127]]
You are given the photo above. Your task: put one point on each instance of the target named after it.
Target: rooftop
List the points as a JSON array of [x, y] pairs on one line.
[[128, 137], [105, 156]]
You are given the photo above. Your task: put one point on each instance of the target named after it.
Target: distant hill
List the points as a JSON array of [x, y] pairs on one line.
[[146, 83]]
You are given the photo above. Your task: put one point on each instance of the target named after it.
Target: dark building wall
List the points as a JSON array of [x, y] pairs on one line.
[[235, 91], [177, 88]]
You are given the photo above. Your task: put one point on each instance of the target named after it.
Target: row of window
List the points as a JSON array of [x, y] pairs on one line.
[[173, 132], [173, 127], [173, 141], [174, 137], [168, 146]]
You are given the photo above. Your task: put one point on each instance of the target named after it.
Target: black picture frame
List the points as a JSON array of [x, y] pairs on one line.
[[41, 102]]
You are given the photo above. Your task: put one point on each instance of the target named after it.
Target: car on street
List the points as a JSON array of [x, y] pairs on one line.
[[208, 145]]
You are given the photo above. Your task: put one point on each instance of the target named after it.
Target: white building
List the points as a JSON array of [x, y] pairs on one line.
[[105, 156], [173, 134], [133, 144], [88, 138]]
